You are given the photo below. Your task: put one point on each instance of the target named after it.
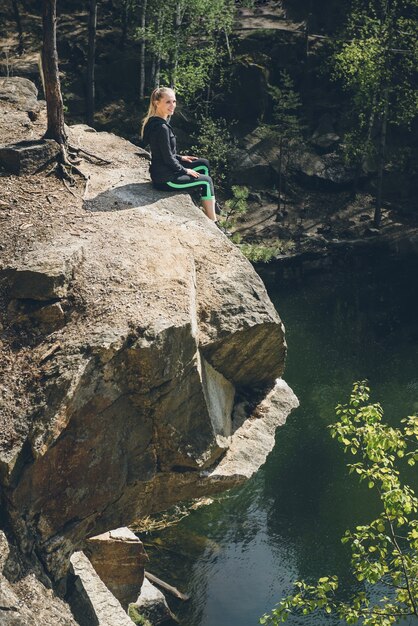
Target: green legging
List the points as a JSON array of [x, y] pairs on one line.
[[184, 181]]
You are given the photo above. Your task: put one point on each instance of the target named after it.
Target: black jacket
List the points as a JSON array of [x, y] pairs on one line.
[[165, 165]]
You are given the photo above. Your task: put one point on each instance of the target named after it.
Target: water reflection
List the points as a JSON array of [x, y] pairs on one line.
[[238, 556]]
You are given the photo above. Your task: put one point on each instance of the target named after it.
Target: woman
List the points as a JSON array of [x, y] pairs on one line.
[[168, 170]]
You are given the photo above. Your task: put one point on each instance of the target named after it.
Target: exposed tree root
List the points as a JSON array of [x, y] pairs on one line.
[[66, 167], [66, 185], [91, 157], [65, 172], [86, 187]]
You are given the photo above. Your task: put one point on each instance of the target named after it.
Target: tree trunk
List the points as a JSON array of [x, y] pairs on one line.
[[125, 19], [307, 82], [142, 52], [91, 57], [18, 25], [210, 75], [366, 149], [285, 181], [156, 59], [279, 199], [384, 120], [178, 18], [54, 105], [228, 47], [381, 164], [157, 71]]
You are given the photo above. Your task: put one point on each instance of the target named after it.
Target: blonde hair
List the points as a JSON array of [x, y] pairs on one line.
[[155, 97]]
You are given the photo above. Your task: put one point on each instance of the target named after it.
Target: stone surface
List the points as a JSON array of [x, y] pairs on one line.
[[324, 136], [24, 599], [254, 438], [26, 314], [27, 157], [151, 603], [256, 161], [129, 407], [44, 274], [21, 93], [91, 601], [248, 82], [325, 172], [119, 557]]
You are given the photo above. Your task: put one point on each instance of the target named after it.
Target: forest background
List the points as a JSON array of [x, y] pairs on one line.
[[331, 81]]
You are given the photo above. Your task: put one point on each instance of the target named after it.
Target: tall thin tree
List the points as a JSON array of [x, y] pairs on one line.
[[55, 107], [91, 59], [18, 25], [143, 24]]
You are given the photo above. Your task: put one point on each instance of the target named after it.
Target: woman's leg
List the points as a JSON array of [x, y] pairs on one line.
[[209, 206], [198, 165], [204, 184], [203, 166], [209, 209]]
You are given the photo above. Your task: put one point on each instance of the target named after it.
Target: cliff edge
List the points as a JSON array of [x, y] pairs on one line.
[[141, 357]]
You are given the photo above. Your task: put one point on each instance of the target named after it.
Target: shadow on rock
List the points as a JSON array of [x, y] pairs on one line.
[[123, 197]]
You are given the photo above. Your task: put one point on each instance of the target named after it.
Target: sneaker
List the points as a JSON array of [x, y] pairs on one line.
[[218, 209]]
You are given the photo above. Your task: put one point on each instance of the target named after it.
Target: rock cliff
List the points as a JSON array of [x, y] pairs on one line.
[[141, 356]]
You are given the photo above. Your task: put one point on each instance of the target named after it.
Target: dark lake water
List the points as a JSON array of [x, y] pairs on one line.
[[238, 556]]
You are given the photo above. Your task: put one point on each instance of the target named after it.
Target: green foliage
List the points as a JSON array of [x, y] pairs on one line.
[[263, 253], [384, 551], [136, 617], [236, 206], [234, 209], [376, 62], [215, 142], [287, 127], [194, 71], [188, 37], [286, 109]]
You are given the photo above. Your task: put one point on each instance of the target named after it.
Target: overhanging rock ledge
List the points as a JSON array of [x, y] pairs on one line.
[[161, 380]]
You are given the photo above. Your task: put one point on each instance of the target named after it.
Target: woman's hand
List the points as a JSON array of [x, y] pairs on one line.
[[192, 173], [189, 158]]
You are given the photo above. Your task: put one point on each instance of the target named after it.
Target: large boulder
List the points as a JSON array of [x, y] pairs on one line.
[[256, 160], [248, 83], [119, 557], [21, 94], [21, 114], [90, 599], [324, 137], [130, 405], [326, 172], [27, 157], [152, 605]]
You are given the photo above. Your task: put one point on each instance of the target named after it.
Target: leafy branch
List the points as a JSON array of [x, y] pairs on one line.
[[385, 550]]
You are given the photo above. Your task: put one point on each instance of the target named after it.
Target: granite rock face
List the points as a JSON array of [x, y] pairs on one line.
[[27, 157], [119, 558], [154, 375], [90, 599], [21, 95], [326, 171], [140, 393], [152, 605], [26, 597], [258, 161]]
